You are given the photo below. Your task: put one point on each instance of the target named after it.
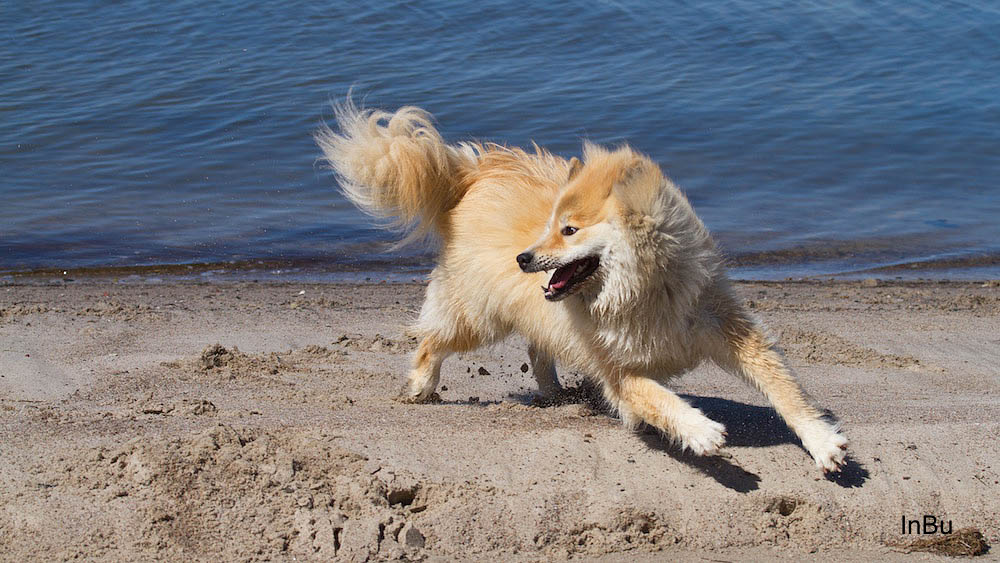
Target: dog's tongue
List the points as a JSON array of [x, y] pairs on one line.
[[562, 276]]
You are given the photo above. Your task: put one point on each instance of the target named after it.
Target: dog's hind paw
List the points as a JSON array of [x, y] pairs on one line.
[[413, 395], [827, 447], [405, 397]]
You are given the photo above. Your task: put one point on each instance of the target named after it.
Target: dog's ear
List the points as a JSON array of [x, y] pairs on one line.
[[640, 187], [574, 168]]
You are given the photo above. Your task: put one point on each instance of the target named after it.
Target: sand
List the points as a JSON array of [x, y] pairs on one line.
[[249, 421]]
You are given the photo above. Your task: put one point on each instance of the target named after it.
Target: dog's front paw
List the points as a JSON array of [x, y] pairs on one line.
[[704, 438], [827, 446]]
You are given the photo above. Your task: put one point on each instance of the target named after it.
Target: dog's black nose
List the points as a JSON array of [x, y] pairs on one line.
[[524, 258]]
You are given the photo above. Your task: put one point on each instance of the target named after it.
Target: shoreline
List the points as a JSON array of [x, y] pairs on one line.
[[405, 270], [129, 434], [820, 260]]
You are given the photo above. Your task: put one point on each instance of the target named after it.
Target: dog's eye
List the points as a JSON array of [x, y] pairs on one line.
[[567, 231]]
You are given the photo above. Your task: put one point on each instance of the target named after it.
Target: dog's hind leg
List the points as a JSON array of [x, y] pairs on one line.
[[748, 352], [444, 332], [543, 367], [426, 373], [640, 399]]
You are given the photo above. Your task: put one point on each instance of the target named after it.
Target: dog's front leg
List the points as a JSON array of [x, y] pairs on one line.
[[640, 399], [748, 352]]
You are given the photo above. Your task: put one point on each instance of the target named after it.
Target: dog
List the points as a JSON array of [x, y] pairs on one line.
[[637, 292]]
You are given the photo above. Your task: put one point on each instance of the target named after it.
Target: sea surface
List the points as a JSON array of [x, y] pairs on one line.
[[819, 138]]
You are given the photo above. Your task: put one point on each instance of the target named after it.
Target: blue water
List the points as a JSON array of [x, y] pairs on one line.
[[812, 137]]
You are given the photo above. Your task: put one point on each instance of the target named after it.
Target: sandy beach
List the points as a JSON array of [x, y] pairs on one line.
[[251, 421]]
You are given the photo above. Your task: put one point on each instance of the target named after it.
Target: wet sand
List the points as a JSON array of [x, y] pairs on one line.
[[251, 421]]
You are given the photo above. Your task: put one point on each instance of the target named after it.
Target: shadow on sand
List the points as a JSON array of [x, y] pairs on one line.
[[746, 425]]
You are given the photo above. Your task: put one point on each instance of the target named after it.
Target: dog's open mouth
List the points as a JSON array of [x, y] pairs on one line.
[[565, 278]]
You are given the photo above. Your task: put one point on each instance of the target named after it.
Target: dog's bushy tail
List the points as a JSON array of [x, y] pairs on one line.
[[396, 166]]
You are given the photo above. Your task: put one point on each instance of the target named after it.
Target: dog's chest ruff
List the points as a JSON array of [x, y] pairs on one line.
[[648, 337]]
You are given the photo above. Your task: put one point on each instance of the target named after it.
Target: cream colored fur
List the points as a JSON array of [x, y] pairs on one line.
[[657, 306]]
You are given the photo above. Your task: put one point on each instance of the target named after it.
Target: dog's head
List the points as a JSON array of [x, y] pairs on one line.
[[608, 209]]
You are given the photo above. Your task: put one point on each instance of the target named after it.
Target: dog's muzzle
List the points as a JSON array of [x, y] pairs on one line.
[[524, 260]]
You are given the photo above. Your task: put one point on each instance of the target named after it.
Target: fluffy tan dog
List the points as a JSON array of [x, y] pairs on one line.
[[637, 293]]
